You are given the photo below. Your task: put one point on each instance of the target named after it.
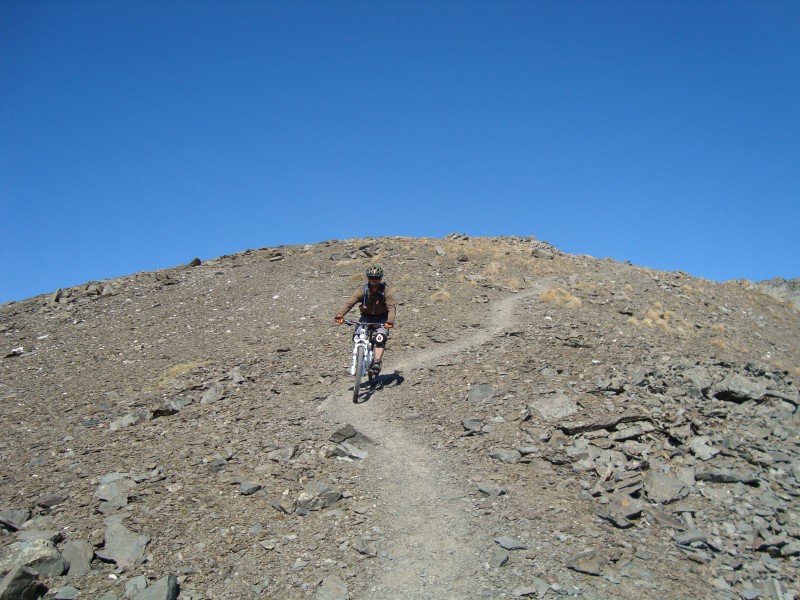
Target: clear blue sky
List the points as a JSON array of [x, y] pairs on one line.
[[137, 135]]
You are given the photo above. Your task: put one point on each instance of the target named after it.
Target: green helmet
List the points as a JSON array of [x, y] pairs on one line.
[[374, 271]]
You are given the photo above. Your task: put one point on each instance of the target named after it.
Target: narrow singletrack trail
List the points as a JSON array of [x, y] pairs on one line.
[[431, 547]]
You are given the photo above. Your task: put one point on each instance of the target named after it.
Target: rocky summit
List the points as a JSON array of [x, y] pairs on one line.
[[545, 425]]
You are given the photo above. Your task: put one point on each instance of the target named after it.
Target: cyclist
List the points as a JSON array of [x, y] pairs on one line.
[[377, 305]]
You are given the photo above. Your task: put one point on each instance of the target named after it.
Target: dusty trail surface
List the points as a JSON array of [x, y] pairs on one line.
[[433, 552]]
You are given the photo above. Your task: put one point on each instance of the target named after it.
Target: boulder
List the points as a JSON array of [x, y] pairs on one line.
[[41, 556], [21, 583], [737, 388]]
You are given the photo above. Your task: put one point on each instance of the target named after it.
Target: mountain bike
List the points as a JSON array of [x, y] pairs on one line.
[[363, 350]]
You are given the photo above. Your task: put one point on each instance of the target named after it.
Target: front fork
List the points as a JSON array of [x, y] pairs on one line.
[[367, 357]]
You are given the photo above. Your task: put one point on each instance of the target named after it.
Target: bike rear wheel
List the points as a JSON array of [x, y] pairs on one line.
[[359, 371]]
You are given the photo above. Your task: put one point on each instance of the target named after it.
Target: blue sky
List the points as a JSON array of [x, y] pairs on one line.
[[137, 135]]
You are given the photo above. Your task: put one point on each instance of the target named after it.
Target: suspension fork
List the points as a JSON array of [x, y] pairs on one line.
[[360, 342]]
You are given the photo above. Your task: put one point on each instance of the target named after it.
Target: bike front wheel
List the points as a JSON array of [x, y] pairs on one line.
[[359, 371]]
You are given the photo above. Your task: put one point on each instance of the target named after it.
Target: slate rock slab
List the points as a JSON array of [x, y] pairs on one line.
[[490, 489], [684, 538], [50, 500], [351, 435], [604, 422], [214, 393], [509, 457], [472, 425], [510, 543], [481, 392], [727, 476], [588, 562], [343, 433], [699, 378], [555, 407], [317, 496], [332, 588], [700, 448], [499, 558], [350, 451], [633, 432], [28, 535], [165, 588], [737, 388], [365, 546], [248, 488], [664, 489], [283, 454], [619, 510], [122, 546], [130, 419], [14, 519], [67, 593], [114, 494], [539, 589], [79, 555]]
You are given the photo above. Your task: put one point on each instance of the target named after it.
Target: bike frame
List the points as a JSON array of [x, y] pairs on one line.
[[363, 349]]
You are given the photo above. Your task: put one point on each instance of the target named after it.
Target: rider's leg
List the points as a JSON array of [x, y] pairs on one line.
[[380, 346], [376, 365]]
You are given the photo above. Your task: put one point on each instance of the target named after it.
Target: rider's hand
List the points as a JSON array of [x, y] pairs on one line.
[[389, 325], [339, 319]]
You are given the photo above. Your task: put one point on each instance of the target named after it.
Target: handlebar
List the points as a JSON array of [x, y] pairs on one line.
[[368, 325]]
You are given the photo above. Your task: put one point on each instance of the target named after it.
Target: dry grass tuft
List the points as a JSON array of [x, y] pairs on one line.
[[174, 372], [666, 320], [493, 269], [441, 296], [560, 296], [719, 343]]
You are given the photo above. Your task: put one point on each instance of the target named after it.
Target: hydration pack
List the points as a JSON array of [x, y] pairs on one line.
[[381, 291]]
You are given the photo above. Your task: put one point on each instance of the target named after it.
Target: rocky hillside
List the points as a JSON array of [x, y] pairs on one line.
[[783, 289], [545, 425]]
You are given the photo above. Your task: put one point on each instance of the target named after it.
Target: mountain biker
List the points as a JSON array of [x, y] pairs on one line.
[[377, 305]]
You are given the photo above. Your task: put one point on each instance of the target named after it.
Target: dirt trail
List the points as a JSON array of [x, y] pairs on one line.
[[422, 506]]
